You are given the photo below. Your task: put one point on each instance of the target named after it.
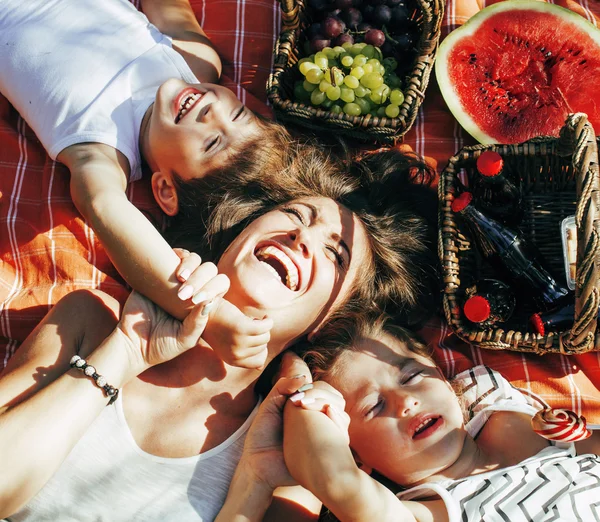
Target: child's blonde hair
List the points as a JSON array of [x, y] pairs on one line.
[[345, 332]]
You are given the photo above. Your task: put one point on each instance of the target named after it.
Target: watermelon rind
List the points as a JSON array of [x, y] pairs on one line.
[[468, 29]]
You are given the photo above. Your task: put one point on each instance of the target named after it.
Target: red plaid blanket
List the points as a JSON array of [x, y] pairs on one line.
[[47, 250]]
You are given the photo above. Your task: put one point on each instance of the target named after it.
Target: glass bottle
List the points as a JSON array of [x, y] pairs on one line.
[[511, 254], [491, 301], [496, 191]]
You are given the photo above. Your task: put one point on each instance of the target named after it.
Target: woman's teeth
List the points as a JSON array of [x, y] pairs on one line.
[[186, 105], [283, 268]]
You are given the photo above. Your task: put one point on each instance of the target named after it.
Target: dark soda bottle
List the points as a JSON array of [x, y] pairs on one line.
[[511, 253], [496, 191], [557, 320], [489, 302]]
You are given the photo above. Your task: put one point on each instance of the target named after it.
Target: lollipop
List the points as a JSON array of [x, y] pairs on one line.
[[560, 425]]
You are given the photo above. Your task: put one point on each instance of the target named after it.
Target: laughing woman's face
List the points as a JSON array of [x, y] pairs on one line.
[[295, 264]]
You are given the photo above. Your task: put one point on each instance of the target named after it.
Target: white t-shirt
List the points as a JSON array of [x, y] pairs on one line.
[[84, 71], [556, 484], [107, 477]]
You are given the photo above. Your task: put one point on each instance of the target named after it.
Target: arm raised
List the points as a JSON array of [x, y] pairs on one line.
[[176, 19], [318, 456], [46, 407], [135, 247]]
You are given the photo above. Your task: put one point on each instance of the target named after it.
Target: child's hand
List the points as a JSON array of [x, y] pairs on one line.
[[239, 340], [326, 399], [316, 443]]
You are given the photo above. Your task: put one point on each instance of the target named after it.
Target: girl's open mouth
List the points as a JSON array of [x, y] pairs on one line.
[[185, 102], [427, 427]]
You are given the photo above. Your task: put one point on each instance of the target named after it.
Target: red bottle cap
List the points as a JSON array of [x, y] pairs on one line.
[[537, 324], [461, 202], [477, 309], [489, 163]]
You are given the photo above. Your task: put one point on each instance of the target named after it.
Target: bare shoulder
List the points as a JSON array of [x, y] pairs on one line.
[[509, 435], [95, 169]]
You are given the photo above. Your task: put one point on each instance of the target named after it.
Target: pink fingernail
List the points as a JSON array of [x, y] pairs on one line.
[[185, 292], [296, 397], [185, 274]]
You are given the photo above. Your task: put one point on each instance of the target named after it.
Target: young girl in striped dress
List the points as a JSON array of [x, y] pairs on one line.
[[461, 450]]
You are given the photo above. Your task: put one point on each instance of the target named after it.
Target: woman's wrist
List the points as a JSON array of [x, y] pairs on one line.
[[117, 360], [248, 497]]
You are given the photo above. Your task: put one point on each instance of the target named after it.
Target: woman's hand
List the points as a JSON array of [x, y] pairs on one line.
[[262, 458], [154, 336], [237, 339], [326, 399], [316, 442]]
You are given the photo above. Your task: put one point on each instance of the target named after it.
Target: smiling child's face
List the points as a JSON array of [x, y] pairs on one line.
[[193, 129], [406, 421], [295, 264]]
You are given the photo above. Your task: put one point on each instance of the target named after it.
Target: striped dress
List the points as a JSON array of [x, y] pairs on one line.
[[555, 484]]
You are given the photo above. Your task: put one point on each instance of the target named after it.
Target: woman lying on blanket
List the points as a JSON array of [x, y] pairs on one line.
[[167, 447], [404, 420], [109, 95], [380, 404]]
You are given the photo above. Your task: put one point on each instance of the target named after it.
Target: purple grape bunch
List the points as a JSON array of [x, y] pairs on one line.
[[386, 24]]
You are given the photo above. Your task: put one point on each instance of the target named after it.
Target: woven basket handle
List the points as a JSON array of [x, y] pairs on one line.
[[578, 136], [289, 14]]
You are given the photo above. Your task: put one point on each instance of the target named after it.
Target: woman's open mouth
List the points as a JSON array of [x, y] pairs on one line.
[[185, 102], [426, 427], [280, 265]]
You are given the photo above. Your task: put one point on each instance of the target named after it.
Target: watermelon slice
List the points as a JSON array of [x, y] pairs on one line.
[[517, 68]]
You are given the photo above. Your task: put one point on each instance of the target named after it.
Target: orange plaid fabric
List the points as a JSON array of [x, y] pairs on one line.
[[47, 250]]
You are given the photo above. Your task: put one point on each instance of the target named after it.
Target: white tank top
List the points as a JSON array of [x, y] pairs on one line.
[[84, 71], [107, 477]]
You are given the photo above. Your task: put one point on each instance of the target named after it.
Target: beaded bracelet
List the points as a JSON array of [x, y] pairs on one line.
[[100, 381]]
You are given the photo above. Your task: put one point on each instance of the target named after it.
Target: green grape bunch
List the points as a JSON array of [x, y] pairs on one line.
[[353, 78]]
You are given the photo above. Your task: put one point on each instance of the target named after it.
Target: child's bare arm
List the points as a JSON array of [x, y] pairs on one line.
[[176, 19], [145, 259], [136, 248], [319, 458]]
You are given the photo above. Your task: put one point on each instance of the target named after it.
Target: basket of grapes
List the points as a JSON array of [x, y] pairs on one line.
[[357, 66]]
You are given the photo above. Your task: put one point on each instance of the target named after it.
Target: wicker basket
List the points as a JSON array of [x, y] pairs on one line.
[[365, 128], [560, 178]]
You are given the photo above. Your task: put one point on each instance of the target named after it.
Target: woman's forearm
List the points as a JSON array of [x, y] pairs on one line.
[[38, 433], [247, 500]]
